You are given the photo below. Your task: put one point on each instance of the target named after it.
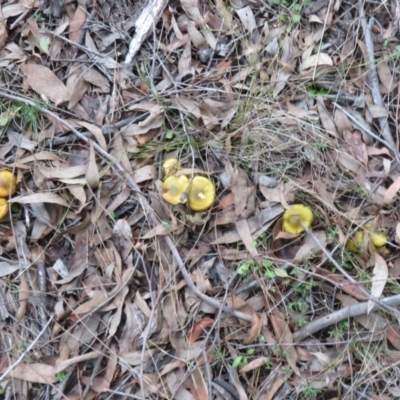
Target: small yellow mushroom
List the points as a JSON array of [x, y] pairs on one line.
[[174, 189], [8, 183], [3, 208], [171, 166], [378, 239], [294, 217], [354, 243], [201, 194]]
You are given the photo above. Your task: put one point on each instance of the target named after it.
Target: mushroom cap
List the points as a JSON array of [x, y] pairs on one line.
[[171, 166], [294, 217], [8, 183], [174, 189], [354, 243], [201, 194], [3, 208], [379, 239]]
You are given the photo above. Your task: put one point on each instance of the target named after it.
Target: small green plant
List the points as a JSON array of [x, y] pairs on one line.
[[242, 360], [169, 135], [310, 392], [166, 224], [61, 376], [245, 268], [219, 355], [341, 330]]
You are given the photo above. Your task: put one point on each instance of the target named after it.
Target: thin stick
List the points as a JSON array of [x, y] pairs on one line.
[[28, 349], [123, 174], [373, 77], [355, 310]]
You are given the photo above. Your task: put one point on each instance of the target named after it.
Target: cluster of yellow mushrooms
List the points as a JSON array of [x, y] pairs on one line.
[[8, 186], [298, 217], [198, 192]]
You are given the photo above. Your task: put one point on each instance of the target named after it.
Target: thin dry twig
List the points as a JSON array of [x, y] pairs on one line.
[[373, 77], [348, 312], [123, 174]]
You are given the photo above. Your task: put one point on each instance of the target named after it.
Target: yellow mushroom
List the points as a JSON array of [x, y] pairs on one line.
[[294, 217], [175, 189], [378, 239], [8, 183], [201, 194], [171, 166], [3, 208], [354, 243]]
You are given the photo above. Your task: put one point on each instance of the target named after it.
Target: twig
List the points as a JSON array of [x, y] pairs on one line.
[[373, 77], [28, 349], [348, 312], [123, 174]]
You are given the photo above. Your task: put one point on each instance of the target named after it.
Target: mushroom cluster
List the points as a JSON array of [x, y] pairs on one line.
[[8, 186], [198, 192], [378, 239]]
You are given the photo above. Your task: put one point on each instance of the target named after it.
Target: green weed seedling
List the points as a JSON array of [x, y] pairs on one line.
[[242, 360], [61, 376], [311, 392]]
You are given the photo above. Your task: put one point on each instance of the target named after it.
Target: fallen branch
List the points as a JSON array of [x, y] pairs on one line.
[[355, 310], [146, 20], [373, 77], [123, 174]]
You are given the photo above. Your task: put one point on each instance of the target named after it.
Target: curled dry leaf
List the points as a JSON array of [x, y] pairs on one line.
[[391, 191], [316, 60], [198, 330], [379, 279]]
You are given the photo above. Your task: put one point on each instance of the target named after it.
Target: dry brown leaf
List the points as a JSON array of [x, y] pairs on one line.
[[145, 173], [43, 197], [247, 18], [185, 61], [309, 246], [200, 386], [245, 234], [255, 330], [45, 83], [254, 364], [34, 372], [380, 275], [92, 173], [76, 87], [284, 336], [391, 191], [355, 290], [357, 146], [341, 121], [95, 131], [191, 7], [198, 329], [76, 24], [393, 335], [326, 118], [315, 60], [385, 75]]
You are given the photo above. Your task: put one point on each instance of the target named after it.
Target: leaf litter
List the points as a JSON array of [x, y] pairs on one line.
[[278, 104]]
